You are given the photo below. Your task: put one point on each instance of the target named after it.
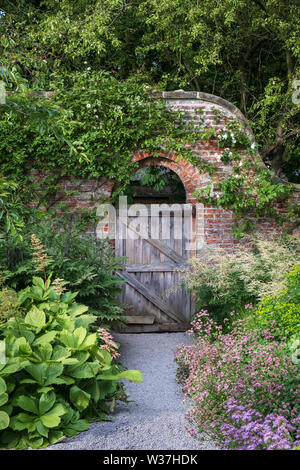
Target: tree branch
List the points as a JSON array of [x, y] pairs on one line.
[[278, 144], [261, 5]]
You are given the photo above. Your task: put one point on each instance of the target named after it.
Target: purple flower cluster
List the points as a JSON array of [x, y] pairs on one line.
[[250, 430], [247, 366]]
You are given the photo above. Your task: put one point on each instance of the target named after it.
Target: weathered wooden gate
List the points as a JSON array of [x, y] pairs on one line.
[[157, 244]]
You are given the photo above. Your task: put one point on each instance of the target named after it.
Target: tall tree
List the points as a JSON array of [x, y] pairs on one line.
[[247, 51]]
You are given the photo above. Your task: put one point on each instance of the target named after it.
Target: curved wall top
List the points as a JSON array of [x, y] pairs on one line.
[[209, 102]]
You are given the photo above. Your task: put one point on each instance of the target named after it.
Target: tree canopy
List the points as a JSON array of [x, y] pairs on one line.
[[246, 51]]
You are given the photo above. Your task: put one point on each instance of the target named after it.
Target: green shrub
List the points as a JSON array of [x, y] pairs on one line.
[[9, 307], [218, 287], [282, 311], [283, 314], [85, 263], [56, 376], [223, 282], [293, 348], [293, 284]]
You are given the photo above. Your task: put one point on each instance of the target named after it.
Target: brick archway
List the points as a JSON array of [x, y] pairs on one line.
[[189, 175], [213, 224]]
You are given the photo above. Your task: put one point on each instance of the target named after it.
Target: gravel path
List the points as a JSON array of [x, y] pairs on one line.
[[155, 420]]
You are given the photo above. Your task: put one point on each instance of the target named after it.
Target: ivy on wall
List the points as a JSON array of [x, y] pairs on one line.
[[249, 189], [100, 121]]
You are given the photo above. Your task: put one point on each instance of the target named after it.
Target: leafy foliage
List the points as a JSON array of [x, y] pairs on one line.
[[249, 189], [231, 281], [157, 178], [102, 108], [56, 377], [283, 310], [9, 307], [245, 52], [293, 348], [103, 121], [11, 209], [86, 264]]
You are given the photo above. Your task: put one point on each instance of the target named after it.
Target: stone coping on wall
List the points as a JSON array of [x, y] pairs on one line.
[[201, 96]]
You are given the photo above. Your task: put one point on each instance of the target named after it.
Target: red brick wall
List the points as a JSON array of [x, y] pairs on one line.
[[213, 225]]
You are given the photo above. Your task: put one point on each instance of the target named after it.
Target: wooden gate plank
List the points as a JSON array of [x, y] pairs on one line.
[[165, 249], [140, 319], [133, 282], [151, 268]]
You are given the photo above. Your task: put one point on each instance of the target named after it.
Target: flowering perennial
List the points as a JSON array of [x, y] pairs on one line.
[[250, 430], [109, 344], [245, 371]]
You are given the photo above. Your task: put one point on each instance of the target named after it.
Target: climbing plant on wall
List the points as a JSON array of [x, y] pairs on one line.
[[103, 111], [102, 121], [249, 189]]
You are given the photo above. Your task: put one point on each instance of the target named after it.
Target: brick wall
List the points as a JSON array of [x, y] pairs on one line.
[[213, 225]]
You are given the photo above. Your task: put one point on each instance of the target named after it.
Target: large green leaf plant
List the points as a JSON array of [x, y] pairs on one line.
[[55, 378]]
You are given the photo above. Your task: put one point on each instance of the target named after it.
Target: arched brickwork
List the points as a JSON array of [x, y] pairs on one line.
[[213, 225], [188, 174]]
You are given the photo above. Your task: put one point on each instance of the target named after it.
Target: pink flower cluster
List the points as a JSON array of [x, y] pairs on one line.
[[245, 365], [109, 344]]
